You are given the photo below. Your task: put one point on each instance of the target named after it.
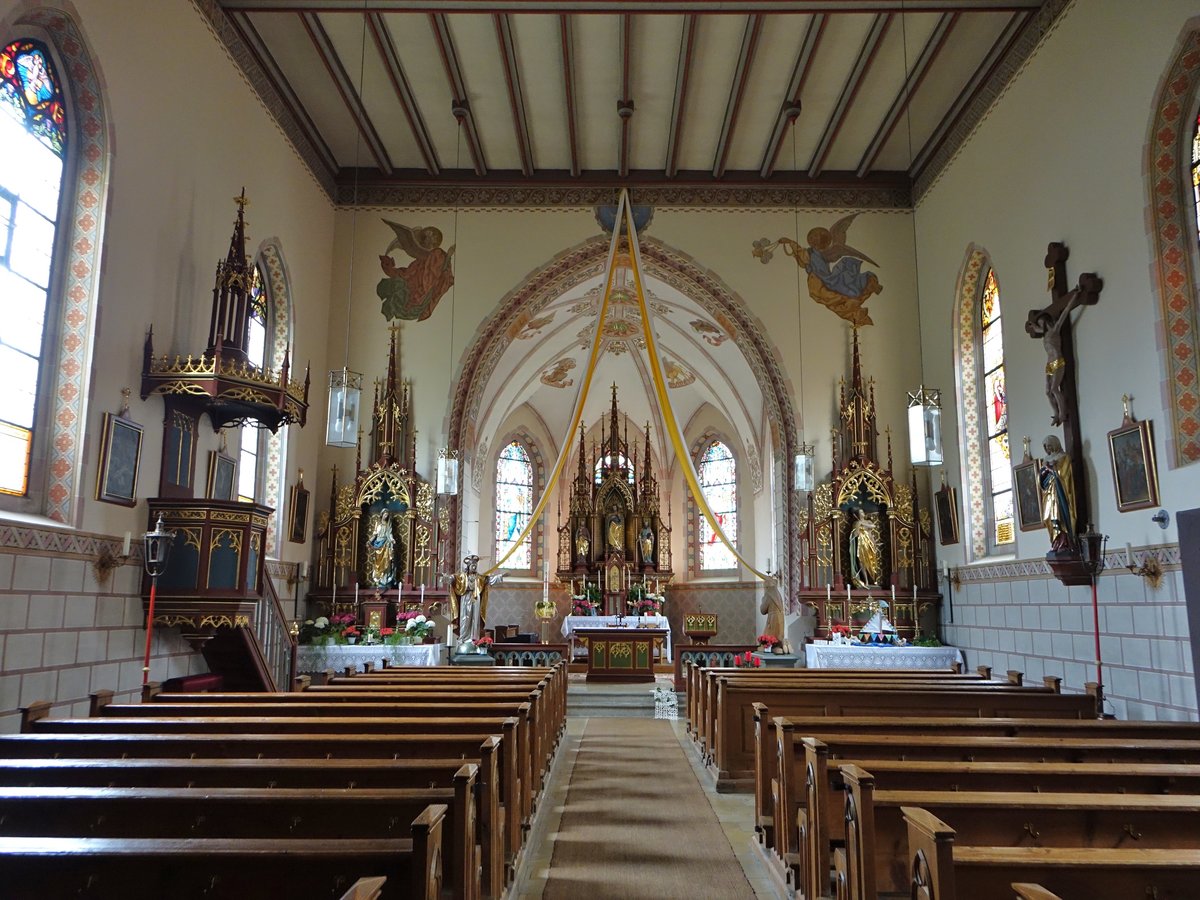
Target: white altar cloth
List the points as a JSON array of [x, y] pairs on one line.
[[312, 658], [571, 624], [823, 655]]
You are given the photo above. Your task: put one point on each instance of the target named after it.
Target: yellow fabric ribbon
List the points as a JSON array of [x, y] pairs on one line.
[[585, 384]]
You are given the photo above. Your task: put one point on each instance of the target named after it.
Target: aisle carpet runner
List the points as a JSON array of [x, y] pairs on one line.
[[636, 822]]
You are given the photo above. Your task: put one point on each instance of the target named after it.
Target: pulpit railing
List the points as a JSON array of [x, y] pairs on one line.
[[276, 642]]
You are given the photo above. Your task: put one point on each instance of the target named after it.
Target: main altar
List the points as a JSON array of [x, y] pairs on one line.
[[865, 536], [615, 546]]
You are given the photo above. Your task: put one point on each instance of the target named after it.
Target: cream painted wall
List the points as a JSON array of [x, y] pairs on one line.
[[1060, 158], [188, 134]]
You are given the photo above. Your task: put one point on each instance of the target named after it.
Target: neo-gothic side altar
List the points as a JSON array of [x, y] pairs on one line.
[[865, 535], [377, 543], [615, 545]]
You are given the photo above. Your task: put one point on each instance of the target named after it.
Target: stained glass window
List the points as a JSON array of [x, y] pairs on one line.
[[718, 481], [250, 454], [1196, 171], [613, 460], [33, 133], [514, 504], [995, 424]]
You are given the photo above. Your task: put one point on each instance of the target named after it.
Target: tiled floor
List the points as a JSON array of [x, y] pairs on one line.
[[734, 811]]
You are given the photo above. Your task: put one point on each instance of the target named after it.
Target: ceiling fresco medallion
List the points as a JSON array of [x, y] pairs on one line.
[[556, 375]]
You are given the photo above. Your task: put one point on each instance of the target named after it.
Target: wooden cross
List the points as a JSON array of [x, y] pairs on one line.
[[1052, 325]]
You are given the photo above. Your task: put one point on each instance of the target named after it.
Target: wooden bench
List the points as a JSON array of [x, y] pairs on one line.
[[153, 868], [940, 869], [733, 753], [224, 812], [876, 858], [805, 848]]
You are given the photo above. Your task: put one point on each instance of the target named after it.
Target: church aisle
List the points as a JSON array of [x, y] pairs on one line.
[[635, 821]]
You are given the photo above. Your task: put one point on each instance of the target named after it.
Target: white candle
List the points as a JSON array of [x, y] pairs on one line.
[[129, 537], [847, 591], [945, 569], [356, 593], [914, 592], [1128, 551], [828, 592], [893, 593], [422, 596]]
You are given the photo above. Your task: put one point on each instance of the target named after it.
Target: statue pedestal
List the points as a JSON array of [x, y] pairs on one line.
[[1068, 567], [777, 660], [472, 659]]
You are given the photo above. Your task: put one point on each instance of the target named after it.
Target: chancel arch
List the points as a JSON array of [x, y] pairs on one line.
[[739, 371]]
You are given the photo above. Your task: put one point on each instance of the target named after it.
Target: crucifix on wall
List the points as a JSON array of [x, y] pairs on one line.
[[1052, 325]]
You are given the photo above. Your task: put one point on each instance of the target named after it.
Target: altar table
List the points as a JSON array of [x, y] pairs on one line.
[[622, 654], [571, 624], [313, 658], [824, 655]]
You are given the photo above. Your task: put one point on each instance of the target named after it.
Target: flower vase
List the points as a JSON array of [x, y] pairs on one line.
[[351, 640]]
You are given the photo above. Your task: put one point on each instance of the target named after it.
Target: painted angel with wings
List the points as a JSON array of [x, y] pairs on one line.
[[835, 276], [413, 291]]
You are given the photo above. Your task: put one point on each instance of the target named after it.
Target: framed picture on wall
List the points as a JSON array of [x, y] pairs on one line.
[[298, 512], [1135, 475], [1029, 498], [120, 459], [222, 475], [945, 502]]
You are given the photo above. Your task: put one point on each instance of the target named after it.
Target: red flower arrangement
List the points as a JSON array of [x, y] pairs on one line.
[[767, 640], [484, 641], [386, 632], [747, 660], [840, 629]]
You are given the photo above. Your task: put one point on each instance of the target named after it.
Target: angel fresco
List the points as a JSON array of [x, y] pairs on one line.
[[835, 276], [413, 291]]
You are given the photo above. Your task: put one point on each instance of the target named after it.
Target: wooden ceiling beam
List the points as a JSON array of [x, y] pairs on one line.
[[460, 105], [666, 7], [567, 32], [345, 87], [1000, 48], [683, 70], [862, 65], [287, 97], [737, 89], [404, 93], [516, 97], [790, 109], [625, 102], [920, 68]]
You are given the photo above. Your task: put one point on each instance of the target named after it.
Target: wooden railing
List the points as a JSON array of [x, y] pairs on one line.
[[275, 640]]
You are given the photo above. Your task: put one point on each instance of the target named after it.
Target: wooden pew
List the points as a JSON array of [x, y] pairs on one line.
[[876, 858], [222, 812], [942, 870], [309, 774], [733, 736], [153, 868], [276, 746], [808, 806]]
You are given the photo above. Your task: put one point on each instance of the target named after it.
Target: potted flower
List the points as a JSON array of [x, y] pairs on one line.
[[351, 634], [768, 643], [648, 606], [388, 635], [581, 606], [483, 644], [419, 629], [314, 631]]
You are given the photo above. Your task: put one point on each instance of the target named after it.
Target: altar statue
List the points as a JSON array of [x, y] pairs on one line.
[[583, 543], [616, 529], [468, 592], [772, 605], [866, 551], [646, 543], [1057, 483], [381, 549]]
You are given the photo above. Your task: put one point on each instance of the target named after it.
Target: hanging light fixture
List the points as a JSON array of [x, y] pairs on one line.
[[345, 386], [924, 404], [925, 427], [805, 468], [447, 464]]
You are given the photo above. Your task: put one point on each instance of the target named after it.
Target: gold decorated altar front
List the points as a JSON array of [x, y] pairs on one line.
[[622, 654]]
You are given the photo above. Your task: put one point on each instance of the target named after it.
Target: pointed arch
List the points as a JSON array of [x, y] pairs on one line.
[[537, 474], [1175, 259], [586, 261], [73, 295]]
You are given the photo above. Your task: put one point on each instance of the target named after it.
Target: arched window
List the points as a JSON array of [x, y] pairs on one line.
[[718, 481], [250, 455], [33, 135], [995, 421], [514, 504]]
